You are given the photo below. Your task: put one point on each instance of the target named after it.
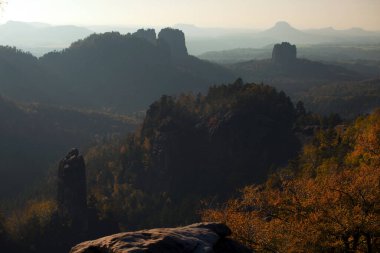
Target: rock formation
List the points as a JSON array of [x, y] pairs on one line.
[[284, 53], [72, 195], [148, 34], [196, 238], [174, 39]]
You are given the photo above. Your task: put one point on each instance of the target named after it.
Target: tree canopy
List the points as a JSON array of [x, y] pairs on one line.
[[326, 200]]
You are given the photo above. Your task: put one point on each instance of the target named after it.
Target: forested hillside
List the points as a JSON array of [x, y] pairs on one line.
[[348, 99], [33, 138], [292, 75], [206, 130], [190, 148], [326, 200], [331, 52], [21, 74], [109, 71], [345, 88], [195, 151]]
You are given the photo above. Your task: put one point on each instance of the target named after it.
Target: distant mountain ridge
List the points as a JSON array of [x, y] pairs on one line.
[[355, 31], [285, 32], [123, 73], [287, 72], [282, 31], [40, 38], [320, 52]]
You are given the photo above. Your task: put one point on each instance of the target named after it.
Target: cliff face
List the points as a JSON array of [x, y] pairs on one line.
[[169, 39], [148, 34], [284, 53], [196, 238], [174, 39]]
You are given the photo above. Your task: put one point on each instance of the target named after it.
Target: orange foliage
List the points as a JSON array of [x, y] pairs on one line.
[[367, 141], [32, 222], [339, 212]]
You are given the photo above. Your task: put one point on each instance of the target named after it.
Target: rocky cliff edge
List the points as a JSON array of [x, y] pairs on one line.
[[196, 238]]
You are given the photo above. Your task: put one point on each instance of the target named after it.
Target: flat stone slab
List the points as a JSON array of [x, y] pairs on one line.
[[196, 238]]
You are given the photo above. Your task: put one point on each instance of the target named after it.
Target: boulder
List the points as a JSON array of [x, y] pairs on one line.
[[196, 238]]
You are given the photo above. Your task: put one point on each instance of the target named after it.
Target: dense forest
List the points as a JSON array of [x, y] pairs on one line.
[[348, 99], [325, 200], [190, 153], [184, 152], [194, 147], [33, 138]]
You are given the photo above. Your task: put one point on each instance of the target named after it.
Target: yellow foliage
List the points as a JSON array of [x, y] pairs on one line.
[[33, 219], [367, 141], [340, 211]]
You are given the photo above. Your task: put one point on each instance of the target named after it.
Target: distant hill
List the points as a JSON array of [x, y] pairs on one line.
[[205, 39], [321, 52], [348, 33], [281, 31], [40, 38], [109, 71], [291, 74], [34, 137], [323, 87], [195, 32], [349, 99], [368, 68]]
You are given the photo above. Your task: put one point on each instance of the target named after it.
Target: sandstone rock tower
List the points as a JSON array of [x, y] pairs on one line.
[[284, 53], [72, 194], [148, 34], [174, 39]]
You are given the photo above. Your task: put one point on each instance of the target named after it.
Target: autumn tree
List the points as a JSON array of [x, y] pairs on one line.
[[366, 132], [327, 200], [35, 227], [338, 212]]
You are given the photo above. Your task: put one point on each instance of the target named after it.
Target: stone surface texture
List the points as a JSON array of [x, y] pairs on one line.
[[196, 238]]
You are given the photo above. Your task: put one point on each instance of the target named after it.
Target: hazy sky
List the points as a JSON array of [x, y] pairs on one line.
[[207, 13]]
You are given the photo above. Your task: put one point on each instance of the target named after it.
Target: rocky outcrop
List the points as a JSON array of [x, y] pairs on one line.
[[284, 53], [72, 195], [196, 238], [174, 40], [148, 35]]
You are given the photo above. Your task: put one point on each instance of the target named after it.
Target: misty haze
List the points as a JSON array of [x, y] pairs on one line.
[[189, 126]]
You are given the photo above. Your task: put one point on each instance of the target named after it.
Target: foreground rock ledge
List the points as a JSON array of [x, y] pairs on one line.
[[197, 238]]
